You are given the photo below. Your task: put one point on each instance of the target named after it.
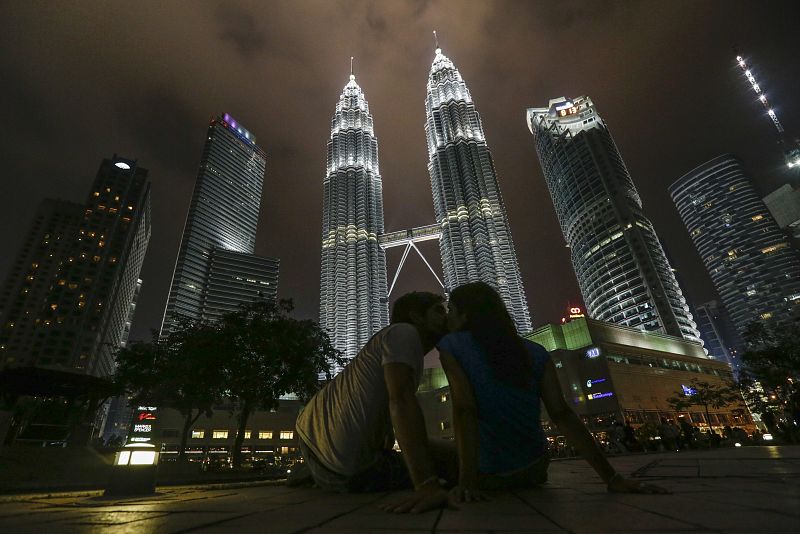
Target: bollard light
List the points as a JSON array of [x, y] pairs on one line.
[[767, 437], [137, 454], [134, 471]]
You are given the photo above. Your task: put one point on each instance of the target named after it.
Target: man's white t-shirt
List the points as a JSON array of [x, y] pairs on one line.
[[347, 424]]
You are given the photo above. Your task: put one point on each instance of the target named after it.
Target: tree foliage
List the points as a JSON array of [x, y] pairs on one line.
[[773, 354], [771, 372], [268, 354], [705, 395], [250, 357], [183, 371]]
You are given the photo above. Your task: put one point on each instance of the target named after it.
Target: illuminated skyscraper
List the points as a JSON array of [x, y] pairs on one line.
[[755, 270], [621, 267], [67, 304], [353, 303], [216, 268], [476, 242]]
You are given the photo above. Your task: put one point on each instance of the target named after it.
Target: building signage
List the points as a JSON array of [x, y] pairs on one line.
[[593, 352], [142, 429], [565, 108], [590, 382], [687, 390], [595, 396], [574, 312]]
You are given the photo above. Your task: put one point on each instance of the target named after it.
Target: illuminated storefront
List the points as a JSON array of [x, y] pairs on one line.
[[610, 373]]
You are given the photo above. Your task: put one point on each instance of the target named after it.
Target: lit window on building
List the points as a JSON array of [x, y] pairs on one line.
[[444, 425], [247, 434], [219, 434], [198, 434], [287, 434]]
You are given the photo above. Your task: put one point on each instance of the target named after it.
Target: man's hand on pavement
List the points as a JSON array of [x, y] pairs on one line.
[[421, 500], [619, 484]]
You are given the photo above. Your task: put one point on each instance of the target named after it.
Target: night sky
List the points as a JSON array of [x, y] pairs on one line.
[[84, 80]]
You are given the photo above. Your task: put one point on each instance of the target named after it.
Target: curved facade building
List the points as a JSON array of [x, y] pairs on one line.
[[621, 267], [353, 290], [755, 270], [476, 242]]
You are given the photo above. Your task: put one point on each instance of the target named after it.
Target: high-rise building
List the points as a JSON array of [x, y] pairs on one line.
[[476, 242], [621, 267], [784, 205], [216, 269], [718, 340], [67, 301], [353, 304], [754, 269]]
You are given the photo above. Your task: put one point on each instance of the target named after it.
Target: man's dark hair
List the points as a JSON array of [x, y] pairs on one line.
[[415, 302]]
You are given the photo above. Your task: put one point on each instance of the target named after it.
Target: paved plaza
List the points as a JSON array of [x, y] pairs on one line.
[[752, 489]]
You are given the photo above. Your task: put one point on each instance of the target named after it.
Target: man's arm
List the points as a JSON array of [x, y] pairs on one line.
[[409, 428], [408, 421], [579, 436], [465, 422]]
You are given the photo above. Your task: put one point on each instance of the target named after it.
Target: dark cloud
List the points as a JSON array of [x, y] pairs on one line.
[[159, 127], [240, 28], [661, 75], [376, 22]]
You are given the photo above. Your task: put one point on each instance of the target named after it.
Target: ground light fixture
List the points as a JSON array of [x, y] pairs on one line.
[[134, 471]]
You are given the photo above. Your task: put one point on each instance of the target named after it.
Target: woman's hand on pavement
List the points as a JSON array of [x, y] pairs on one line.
[[465, 494], [422, 500], [620, 484]]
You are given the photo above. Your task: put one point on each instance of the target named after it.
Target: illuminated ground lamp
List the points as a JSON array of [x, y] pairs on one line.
[[134, 471]]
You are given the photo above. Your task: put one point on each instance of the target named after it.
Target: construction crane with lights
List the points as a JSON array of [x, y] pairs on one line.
[[791, 147]]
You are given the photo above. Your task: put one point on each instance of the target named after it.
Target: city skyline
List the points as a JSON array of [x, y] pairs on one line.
[[157, 121]]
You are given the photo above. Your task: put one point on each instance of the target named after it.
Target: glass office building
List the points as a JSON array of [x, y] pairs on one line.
[[220, 230]]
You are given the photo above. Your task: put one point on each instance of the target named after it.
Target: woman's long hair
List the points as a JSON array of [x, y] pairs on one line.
[[490, 324]]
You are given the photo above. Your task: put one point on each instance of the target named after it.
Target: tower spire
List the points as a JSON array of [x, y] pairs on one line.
[[436, 41], [352, 76]]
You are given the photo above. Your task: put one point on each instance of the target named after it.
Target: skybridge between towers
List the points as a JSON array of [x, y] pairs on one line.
[[409, 239]]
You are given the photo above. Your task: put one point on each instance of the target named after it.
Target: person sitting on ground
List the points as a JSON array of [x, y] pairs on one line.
[[346, 429], [497, 380]]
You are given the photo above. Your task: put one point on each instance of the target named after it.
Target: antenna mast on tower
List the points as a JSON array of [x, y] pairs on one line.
[[791, 147]]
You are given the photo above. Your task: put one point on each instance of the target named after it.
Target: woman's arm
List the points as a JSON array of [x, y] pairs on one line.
[[465, 421], [579, 436]]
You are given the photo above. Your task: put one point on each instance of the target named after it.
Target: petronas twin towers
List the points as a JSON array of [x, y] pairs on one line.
[[475, 242]]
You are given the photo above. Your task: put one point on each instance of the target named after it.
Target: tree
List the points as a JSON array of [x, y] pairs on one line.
[[183, 371], [773, 354], [267, 354], [705, 394], [771, 371]]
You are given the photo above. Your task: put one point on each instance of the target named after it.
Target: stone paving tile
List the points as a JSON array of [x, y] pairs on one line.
[[607, 516], [753, 489]]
